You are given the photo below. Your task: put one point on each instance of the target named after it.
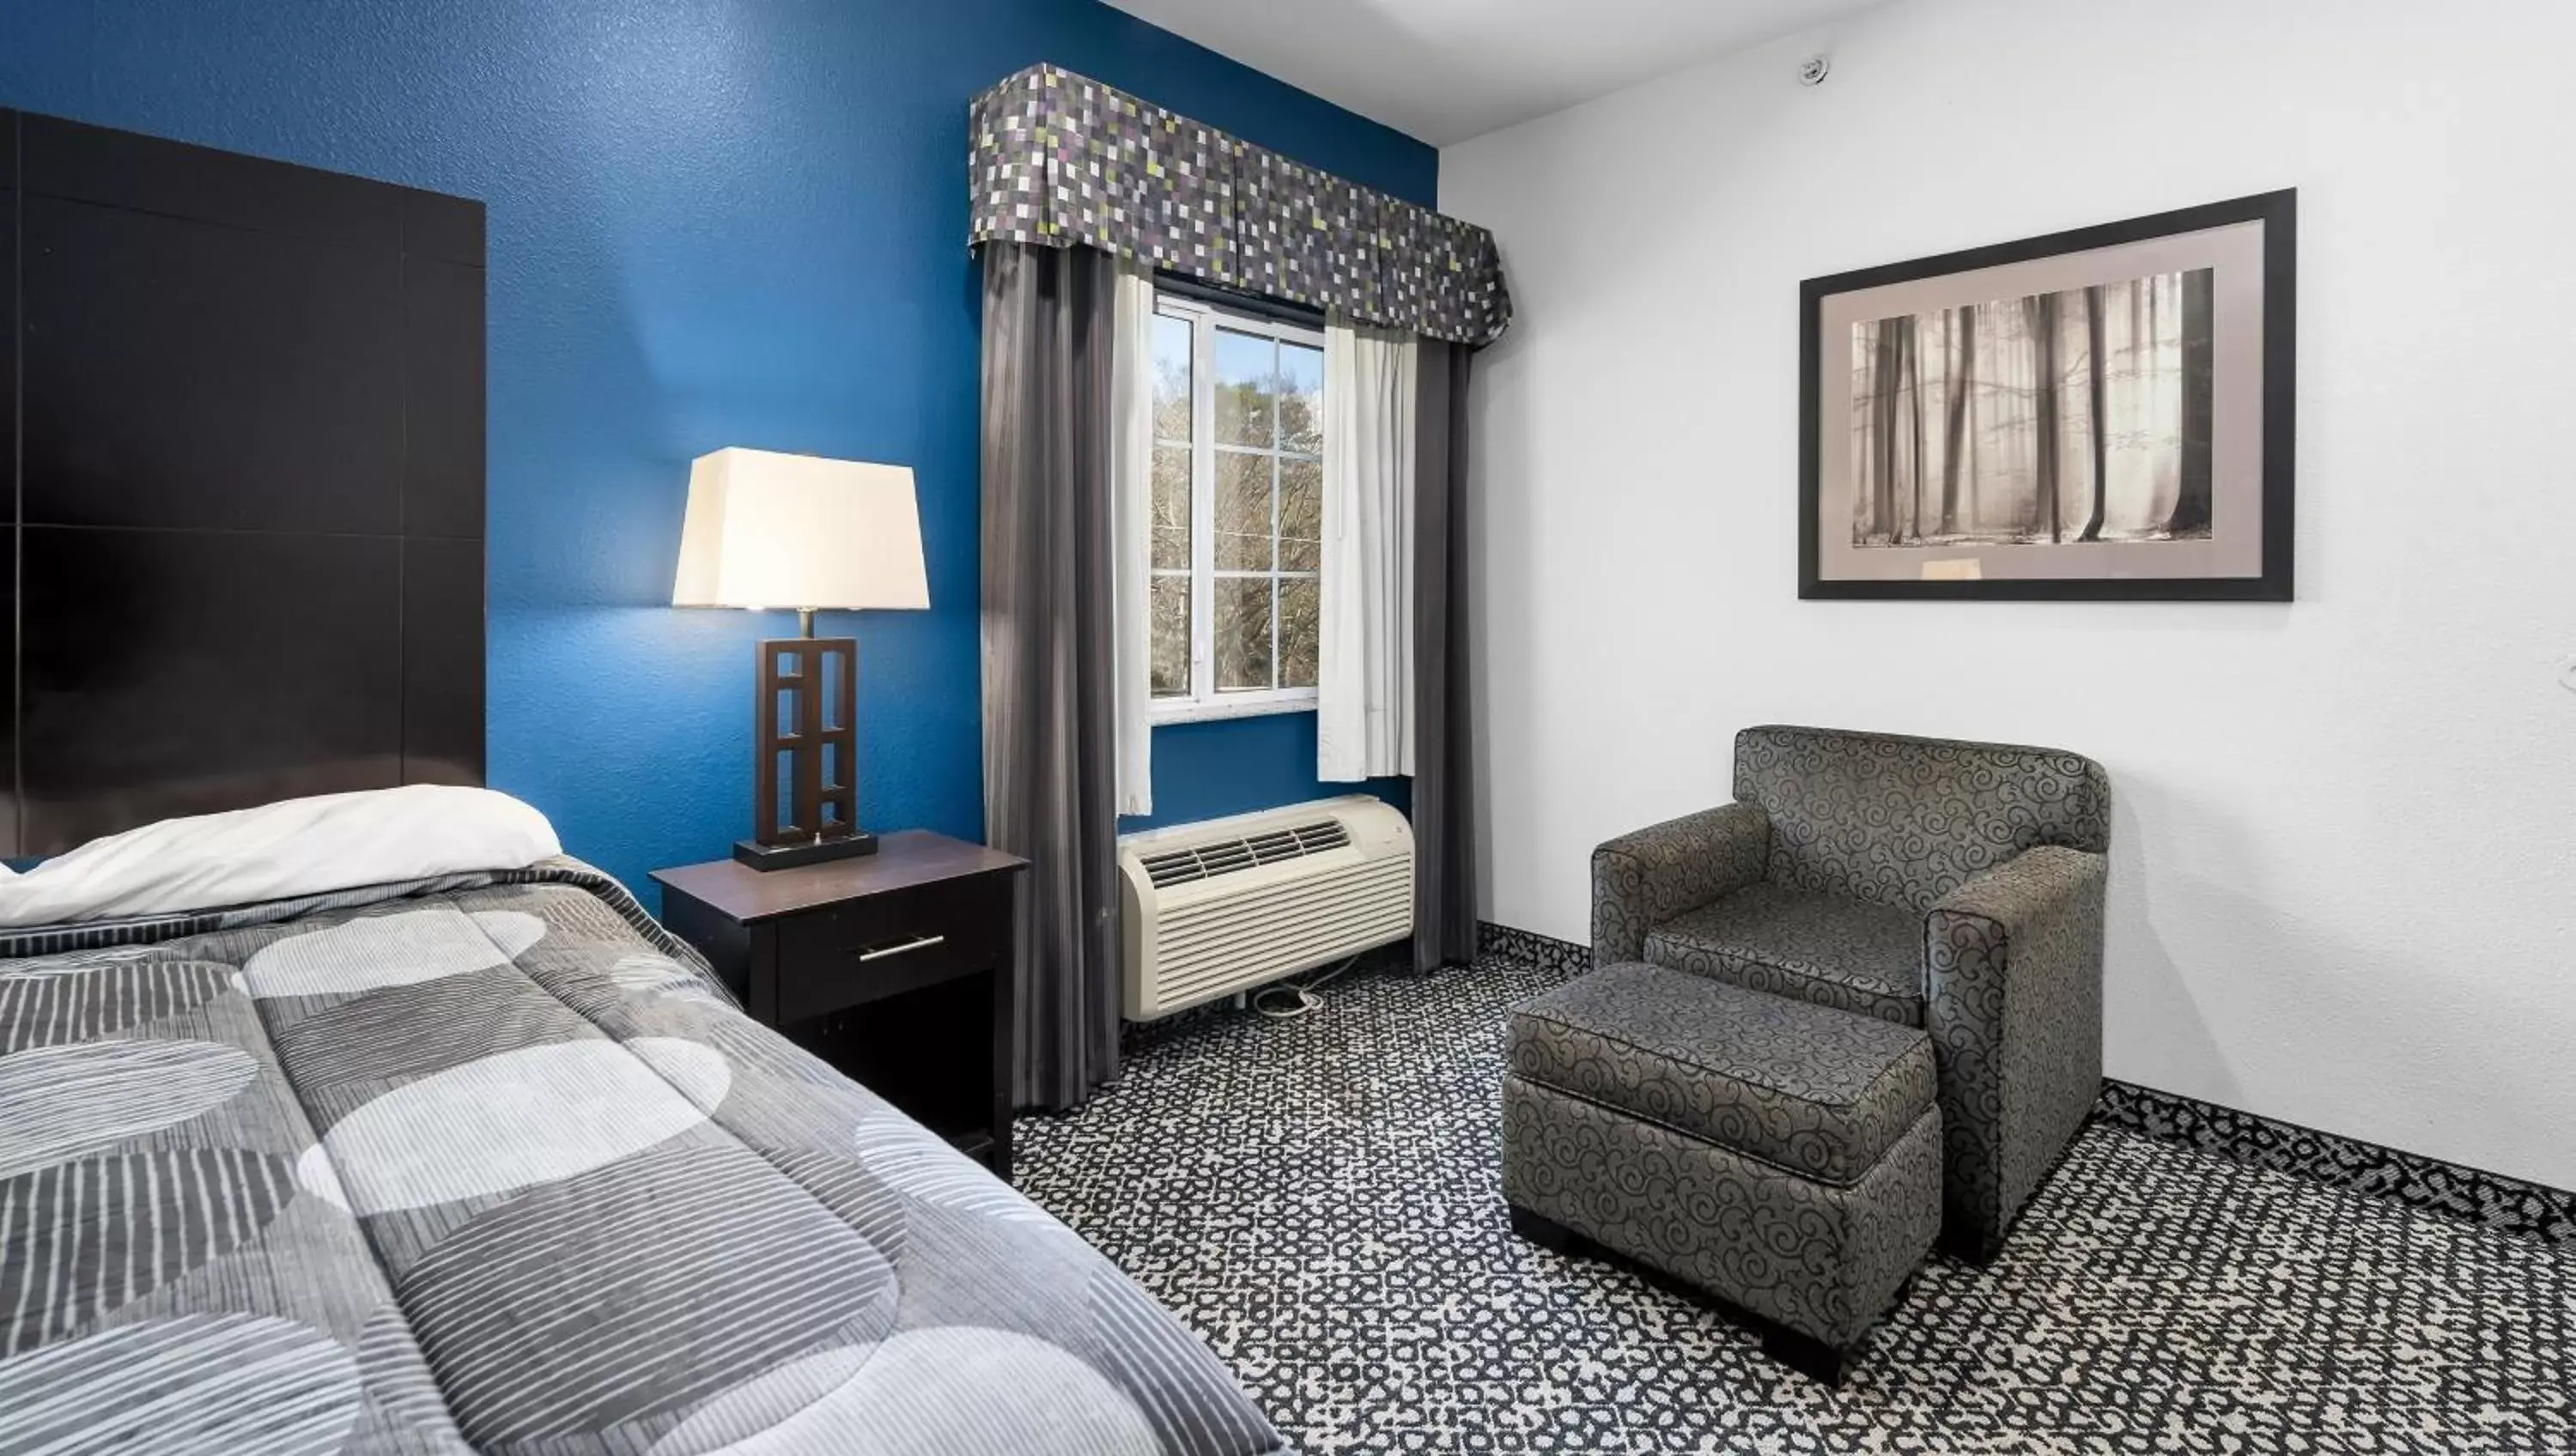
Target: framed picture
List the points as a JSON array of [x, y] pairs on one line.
[[2097, 415]]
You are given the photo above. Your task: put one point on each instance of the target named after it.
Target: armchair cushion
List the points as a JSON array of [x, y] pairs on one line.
[[1831, 950]]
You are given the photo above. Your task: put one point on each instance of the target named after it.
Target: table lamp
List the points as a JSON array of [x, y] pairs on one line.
[[768, 531]]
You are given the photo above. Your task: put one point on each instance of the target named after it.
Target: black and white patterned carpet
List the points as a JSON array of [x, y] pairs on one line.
[[1318, 1198]]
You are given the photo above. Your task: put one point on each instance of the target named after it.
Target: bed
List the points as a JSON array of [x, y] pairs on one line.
[[489, 1162], [338, 1112]]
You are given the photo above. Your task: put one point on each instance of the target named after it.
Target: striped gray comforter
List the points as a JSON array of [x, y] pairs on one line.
[[492, 1164]]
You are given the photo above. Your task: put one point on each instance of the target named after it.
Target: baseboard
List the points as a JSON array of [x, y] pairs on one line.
[[2469, 1195], [1531, 948]]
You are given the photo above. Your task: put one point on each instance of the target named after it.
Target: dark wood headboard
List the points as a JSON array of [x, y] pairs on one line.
[[245, 411]]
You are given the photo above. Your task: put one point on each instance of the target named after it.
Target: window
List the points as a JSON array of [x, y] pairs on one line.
[[1238, 516]]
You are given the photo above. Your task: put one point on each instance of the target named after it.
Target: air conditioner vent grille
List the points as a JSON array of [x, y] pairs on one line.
[[1228, 856], [1220, 908]]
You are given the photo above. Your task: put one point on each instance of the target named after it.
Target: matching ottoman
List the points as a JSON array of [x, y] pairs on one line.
[[1781, 1155]]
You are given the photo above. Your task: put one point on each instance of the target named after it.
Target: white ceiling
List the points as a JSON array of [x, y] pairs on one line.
[[1447, 70]]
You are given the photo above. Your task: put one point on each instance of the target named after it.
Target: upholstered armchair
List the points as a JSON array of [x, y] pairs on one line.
[[1951, 886]]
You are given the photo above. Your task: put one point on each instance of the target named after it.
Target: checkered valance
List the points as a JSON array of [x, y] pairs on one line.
[[1061, 159]]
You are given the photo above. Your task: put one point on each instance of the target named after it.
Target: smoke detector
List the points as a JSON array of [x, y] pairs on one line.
[[1813, 70]]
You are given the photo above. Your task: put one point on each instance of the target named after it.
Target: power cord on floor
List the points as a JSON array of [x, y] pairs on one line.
[[1302, 993]]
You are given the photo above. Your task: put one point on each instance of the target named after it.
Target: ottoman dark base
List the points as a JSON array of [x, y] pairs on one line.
[[1809, 1356]]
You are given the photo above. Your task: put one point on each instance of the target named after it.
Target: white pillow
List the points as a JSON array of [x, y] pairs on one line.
[[279, 851]]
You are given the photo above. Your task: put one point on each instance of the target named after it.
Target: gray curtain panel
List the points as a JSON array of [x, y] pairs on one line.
[[1444, 785], [1049, 724]]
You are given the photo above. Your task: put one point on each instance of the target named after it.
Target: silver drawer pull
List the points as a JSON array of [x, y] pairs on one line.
[[919, 942]]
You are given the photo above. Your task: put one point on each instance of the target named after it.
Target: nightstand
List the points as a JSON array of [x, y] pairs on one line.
[[895, 967]]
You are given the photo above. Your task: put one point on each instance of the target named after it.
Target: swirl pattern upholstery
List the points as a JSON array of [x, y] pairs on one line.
[[1819, 1093], [1904, 821], [1782, 1156], [1641, 880], [1957, 887], [2014, 959], [1847, 954]]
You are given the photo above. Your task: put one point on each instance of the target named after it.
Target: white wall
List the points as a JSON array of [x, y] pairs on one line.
[[2343, 884]]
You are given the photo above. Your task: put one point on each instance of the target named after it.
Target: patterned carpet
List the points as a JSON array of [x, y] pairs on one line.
[[1318, 1198]]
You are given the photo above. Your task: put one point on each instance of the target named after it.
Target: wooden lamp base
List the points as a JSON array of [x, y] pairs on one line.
[[804, 794]]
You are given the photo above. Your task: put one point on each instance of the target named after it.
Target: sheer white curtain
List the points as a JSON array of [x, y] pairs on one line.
[[1364, 691], [1131, 467]]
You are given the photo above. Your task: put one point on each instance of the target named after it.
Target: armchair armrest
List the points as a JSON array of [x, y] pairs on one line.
[[1643, 879], [2013, 980]]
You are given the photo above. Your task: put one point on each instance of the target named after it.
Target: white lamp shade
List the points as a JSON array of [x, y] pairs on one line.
[[772, 530]]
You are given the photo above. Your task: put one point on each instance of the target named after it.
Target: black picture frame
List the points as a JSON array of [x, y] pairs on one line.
[[2278, 212]]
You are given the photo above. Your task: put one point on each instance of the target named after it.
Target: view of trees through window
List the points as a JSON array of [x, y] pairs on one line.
[[1238, 505], [2074, 416]]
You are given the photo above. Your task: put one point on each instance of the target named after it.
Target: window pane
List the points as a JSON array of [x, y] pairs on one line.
[[1171, 508], [1242, 633], [1301, 630], [1171, 377], [1301, 399], [1242, 511], [1301, 515], [1246, 366], [1171, 614]]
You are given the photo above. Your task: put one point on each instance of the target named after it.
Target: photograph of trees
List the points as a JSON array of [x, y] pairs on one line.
[[2060, 417]]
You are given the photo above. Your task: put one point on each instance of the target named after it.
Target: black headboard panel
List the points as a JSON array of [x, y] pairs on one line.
[[248, 504]]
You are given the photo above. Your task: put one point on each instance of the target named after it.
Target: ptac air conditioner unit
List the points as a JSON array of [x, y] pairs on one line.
[[1231, 904]]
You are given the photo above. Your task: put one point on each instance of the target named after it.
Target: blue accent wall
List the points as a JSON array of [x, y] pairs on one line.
[[712, 222], [1236, 765]]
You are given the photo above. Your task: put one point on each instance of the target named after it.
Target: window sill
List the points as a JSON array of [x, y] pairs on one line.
[[1251, 705]]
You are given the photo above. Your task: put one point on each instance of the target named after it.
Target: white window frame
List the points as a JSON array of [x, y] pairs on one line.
[[1205, 703]]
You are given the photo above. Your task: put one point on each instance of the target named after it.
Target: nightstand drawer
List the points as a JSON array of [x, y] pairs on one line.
[[830, 960]]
